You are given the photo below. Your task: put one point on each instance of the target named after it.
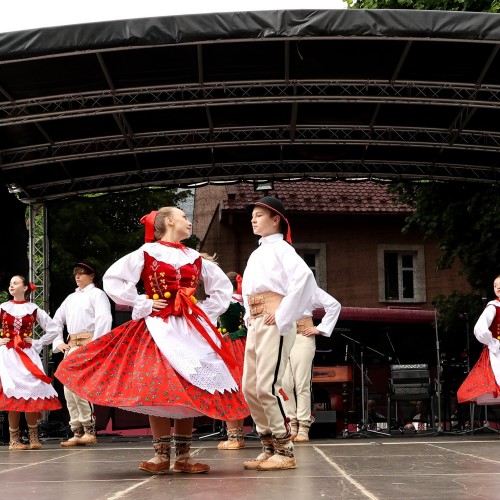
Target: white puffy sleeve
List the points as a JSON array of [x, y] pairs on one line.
[[120, 281], [56, 326], [45, 321], [103, 318], [482, 329], [218, 289], [324, 300], [301, 286]]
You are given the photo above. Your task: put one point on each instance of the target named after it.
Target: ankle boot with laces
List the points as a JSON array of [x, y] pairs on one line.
[[283, 457], [73, 441], [183, 461], [160, 463], [34, 441], [89, 436], [235, 440], [14, 441], [267, 452], [303, 434], [294, 428]]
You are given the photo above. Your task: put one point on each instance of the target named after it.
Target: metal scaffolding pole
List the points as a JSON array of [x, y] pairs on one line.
[[39, 264]]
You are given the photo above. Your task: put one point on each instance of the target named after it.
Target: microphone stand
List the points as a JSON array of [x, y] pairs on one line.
[[438, 381], [439, 430], [364, 431]]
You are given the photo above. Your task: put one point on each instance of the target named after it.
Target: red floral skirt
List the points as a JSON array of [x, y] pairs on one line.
[[125, 369], [480, 380], [237, 347], [29, 405]]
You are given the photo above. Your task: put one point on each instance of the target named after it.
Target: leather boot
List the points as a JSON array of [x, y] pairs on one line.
[[183, 461], [267, 452], [160, 463], [14, 441], [34, 441], [283, 457], [294, 428], [89, 436], [303, 434], [234, 441], [73, 441]]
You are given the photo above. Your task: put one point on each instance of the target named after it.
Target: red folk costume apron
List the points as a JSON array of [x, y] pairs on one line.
[[126, 369]]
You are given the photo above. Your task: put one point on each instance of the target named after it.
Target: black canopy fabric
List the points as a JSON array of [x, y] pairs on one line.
[[250, 95]]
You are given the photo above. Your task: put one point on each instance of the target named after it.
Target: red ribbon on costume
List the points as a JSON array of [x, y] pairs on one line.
[[149, 223], [30, 366], [32, 287], [239, 279], [174, 244], [184, 306]]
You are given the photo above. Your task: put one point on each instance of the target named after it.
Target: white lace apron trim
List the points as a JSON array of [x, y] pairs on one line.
[[190, 355]]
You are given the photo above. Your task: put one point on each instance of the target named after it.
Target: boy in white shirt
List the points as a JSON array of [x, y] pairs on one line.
[[277, 286], [87, 315]]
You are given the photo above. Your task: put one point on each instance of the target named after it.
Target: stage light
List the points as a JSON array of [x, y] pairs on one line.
[[13, 188], [263, 185]]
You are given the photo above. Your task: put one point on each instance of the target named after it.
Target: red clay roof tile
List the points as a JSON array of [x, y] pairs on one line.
[[310, 196]]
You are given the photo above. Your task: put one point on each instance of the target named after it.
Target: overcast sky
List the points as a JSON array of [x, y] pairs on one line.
[[18, 15]]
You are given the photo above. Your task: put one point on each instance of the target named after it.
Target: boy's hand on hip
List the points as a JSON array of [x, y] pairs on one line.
[[270, 319]]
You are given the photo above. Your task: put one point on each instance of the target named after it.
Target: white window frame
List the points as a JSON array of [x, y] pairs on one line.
[[419, 273], [319, 249]]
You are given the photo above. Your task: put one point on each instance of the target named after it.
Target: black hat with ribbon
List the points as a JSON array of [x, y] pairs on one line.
[[277, 207], [89, 268]]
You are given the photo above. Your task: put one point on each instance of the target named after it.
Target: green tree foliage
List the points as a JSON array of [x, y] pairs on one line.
[[465, 219], [99, 229], [457, 5]]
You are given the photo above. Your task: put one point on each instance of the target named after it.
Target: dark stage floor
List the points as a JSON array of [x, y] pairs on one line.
[[408, 467]]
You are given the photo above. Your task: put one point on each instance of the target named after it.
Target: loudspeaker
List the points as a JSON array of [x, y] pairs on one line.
[[325, 424]]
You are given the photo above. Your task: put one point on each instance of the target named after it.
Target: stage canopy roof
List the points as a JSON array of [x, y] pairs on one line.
[[184, 100]]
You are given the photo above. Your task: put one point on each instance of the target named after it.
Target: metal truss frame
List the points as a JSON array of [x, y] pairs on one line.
[[39, 263]]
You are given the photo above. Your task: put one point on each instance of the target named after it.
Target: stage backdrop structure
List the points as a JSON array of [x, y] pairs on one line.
[[248, 96]]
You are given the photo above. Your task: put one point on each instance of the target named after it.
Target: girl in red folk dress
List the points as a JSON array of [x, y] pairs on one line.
[[169, 361], [24, 386], [483, 382]]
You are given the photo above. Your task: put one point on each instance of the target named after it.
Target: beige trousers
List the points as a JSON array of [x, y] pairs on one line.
[[266, 357], [81, 412], [298, 378]]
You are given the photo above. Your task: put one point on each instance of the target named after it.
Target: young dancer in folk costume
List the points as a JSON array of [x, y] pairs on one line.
[[87, 315], [24, 386], [482, 385], [169, 361], [233, 329], [277, 286], [297, 379]]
